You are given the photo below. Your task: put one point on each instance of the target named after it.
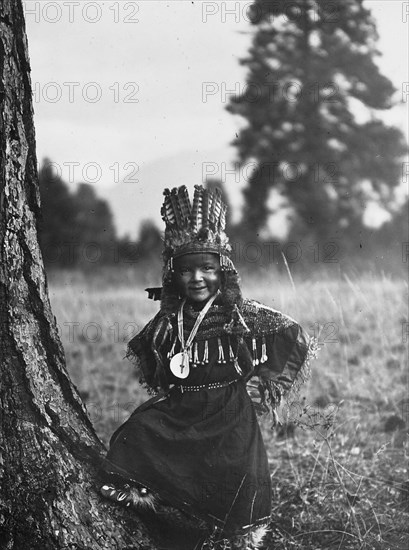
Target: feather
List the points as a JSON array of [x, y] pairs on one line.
[[203, 219], [205, 209], [217, 202], [197, 208], [175, 207], [211, 209], [200, 212], [167, 210], [222, 219], [184, 205]]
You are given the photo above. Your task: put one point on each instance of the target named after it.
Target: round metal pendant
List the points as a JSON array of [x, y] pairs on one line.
[[179, 365]]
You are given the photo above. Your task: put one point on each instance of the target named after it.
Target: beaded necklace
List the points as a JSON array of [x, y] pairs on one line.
[[179, 364]]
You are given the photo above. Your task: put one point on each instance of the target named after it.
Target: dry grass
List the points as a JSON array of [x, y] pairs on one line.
[[339, 463]]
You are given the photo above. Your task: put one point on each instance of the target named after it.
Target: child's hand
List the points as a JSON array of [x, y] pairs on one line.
[[276, 421], [257, 395], [253, 388]]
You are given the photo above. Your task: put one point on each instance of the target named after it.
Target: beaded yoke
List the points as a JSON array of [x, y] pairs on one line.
[[275, 349]]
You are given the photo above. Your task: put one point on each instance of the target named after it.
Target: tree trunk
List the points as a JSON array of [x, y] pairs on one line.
[[49, 451]]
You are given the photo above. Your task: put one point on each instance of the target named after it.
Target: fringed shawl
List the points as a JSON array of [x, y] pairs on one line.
[[276, 349]]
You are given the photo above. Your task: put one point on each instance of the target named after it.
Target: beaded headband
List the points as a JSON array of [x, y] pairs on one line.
[[195, 228]]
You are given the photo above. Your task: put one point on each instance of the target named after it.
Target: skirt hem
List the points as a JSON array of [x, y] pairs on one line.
[[212, 521]]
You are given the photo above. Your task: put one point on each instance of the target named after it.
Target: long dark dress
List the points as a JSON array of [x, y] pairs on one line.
[[200, 448]]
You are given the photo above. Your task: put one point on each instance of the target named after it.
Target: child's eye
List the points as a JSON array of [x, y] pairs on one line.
[[208, 267]]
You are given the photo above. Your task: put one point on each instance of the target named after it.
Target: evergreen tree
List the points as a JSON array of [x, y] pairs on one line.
[[57, 216], [392, 240], [75, 228], [310, 63], [149, 243], [94, 229]]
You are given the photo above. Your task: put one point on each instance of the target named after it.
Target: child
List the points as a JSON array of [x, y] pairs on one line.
[[197, 444]]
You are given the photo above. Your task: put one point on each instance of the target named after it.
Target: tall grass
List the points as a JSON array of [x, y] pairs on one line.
[[339, 462]]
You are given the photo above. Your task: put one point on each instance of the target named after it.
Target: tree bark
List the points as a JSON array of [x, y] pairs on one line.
[[49, 451]]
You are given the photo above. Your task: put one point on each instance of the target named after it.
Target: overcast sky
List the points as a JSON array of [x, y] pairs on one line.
[[149, 73], [119, 85]]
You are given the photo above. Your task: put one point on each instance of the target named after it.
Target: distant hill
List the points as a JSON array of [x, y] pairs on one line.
[[131, 203]]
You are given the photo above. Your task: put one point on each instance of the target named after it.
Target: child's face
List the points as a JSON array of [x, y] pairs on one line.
[[197, 276]]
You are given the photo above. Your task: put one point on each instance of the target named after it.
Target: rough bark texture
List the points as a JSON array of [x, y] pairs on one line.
[[49, 452]]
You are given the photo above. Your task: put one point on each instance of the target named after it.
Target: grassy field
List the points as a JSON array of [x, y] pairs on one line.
[[339, 462]]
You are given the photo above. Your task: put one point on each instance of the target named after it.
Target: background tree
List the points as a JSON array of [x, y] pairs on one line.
[[393, 239], [75, 228], [311, 63], [94, 230], [149, 244], [57, 220], [49, 452]]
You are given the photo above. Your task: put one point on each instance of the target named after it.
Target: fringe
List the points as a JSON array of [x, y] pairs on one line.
[[304, 373], [250, 541], [135, 359], [272, 395]]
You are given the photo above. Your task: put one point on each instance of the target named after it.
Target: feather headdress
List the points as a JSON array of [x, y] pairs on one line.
[[195, 227]]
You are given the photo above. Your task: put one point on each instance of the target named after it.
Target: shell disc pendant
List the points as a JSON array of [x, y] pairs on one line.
[[179, 364]]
